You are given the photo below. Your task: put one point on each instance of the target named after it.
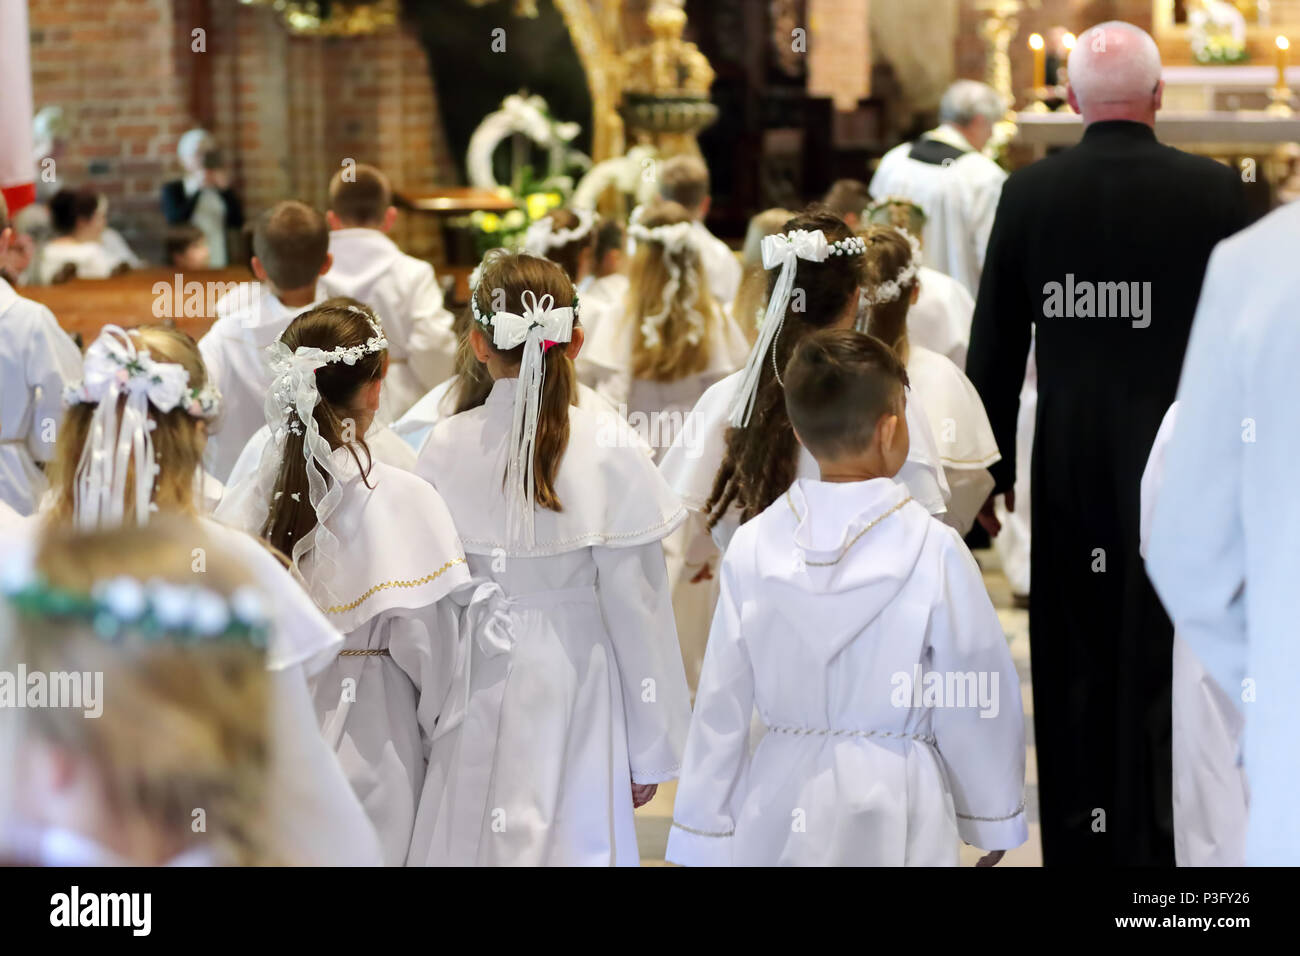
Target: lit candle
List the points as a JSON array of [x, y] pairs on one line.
[[1040, 60], [1068, 41], [1283, 54]]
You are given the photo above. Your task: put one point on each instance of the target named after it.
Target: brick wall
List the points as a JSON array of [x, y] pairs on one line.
[[287, 109]]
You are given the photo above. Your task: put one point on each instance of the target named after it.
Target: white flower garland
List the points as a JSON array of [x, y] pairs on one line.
[[678, 240], [892, 289], [542, 235]]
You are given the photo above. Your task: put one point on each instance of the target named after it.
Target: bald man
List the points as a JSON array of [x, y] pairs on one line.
[[1102, 248]]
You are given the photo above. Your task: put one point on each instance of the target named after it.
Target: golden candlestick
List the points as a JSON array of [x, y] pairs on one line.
[[1281, 93]]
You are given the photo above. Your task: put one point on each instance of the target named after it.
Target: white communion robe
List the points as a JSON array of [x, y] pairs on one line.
[[876, 661], [1209, 785], [313, 817], [958, 187], [404, 292], [573, 688], [37, 361], [941, 317], [249, 319], [417, 424], [384, 445], [388, 589], [721, 266], [1223, 551], [961, 430]]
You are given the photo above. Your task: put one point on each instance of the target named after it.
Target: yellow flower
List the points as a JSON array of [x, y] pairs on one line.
[[491, 222], [537, 206], [553, 200]]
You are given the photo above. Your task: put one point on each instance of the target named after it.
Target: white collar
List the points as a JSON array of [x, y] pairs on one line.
[[947, 133], [194, 182], [8, 296], [828, 514]]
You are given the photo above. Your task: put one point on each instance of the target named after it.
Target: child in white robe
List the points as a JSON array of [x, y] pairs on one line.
[[402, 290], [606, 282], [684, 180], [84, 247], [290, 253], [728, 463], [860, 630], [957, 418], [653, 359], [377, 549], [1211, 795], [157, 378], [37, 361], [572, 706], [178, 716]]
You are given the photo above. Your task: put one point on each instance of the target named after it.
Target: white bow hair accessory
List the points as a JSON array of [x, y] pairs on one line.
[[113, 369], [891, 289], [542, 235], [783, 251]]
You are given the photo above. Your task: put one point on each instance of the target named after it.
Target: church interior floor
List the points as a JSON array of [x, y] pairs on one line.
[[655, 818]]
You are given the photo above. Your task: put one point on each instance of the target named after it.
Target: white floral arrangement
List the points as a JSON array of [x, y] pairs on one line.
[[1217, 32]]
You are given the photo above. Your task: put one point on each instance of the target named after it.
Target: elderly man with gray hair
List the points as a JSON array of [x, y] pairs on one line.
[[204, 197], [946, 174], [1098, 253]]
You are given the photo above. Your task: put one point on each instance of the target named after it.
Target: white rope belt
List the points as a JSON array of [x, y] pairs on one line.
[[827, 732]]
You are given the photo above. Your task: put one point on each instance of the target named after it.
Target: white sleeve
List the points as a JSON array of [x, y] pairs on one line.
[[1197, 553], [983, 742], [431, 349], [983, 209], [717, 750], [52, 361], [424, 643], [636, 603]]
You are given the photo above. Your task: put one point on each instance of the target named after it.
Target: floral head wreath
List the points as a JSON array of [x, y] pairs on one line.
[[680, 242], [540, 325], [125, 610], [290, 409], [542, 236], [112, 369], [891, 289], [783, 250], [890, 205]]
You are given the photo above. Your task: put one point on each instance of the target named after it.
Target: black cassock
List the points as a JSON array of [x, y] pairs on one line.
[[1118, 208]]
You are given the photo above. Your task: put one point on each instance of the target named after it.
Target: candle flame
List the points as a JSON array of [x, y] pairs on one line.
[[1283, 43], [1069, 40], [1036, 41]]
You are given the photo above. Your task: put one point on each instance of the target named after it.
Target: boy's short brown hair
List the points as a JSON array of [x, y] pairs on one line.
[[838, 383], [179, 239], [360, 195], [684, 180], [848, 197], [291, 239]]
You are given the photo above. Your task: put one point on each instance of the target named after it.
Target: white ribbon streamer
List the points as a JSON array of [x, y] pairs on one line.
[[782, 250]]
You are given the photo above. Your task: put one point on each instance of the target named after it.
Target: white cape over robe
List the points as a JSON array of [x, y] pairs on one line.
[[404, 292], [572, 684], [314, 817], [1210, 792], [383, 443], [388, 590], [961, 430], [941, 317], [861, 631], [1223, 553], [37, 360]]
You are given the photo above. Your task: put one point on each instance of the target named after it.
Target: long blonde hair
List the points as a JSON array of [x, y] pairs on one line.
[[178, 437], [681, 347], [184, 726]]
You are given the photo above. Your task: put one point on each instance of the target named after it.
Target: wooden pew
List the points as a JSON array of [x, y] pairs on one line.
[[84, 306]]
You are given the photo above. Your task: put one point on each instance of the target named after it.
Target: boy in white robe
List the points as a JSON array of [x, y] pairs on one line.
[[1210, 793], [685, 180], [37, 361], [860, 630], [947, 175], [402, 289], [290, 254]]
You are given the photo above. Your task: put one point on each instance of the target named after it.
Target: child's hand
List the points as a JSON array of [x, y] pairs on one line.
[[643, 793], [991, 859], [703, 574]]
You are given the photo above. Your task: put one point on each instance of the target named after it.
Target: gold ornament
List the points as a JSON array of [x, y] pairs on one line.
[[336, 19]]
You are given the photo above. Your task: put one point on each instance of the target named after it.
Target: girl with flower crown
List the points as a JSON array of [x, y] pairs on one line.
[[177, 722], [960, 425], [572, 706], [129, 449], [377, 550]]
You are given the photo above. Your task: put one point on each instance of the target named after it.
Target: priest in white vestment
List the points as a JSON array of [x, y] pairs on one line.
[[1223, 540], [946, 174]]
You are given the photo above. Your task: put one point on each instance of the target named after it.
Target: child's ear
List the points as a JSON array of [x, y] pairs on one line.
[[332, 220], [329, 261], [390, 219], [479, 345], [796, 436], [575, 343], [259, 270], [916, 292], [887, 431]]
